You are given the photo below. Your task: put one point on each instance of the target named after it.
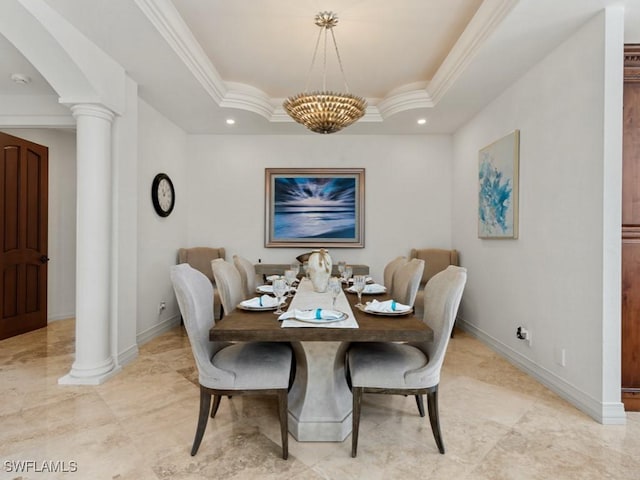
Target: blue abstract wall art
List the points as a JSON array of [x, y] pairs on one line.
[[498, 188]]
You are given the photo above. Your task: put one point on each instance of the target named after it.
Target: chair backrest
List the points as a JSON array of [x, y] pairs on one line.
[[442, 296], [436, 260], [406, 281], [200, 258], [194, 292], [247, 275], [229, 284], [390, 269]]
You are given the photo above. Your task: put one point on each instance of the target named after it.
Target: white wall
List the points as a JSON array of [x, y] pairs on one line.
[[550, 280], [407, 204], [62, 217], [162, 147]]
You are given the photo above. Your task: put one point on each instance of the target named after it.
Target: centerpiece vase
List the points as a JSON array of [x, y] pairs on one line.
[[320, 265]]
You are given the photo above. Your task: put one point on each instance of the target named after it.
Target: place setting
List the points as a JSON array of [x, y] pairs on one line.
[[279, 288], [261, 303], [313, 308], [385, 308]]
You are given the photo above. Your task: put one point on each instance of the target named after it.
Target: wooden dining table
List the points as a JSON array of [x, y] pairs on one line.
[[320, 400]]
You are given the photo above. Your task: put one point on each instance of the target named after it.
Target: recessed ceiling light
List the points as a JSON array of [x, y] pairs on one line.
[[230, 121], [20, 78], [422, 121]]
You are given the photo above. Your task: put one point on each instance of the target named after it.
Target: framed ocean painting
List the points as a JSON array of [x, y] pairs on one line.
[[314, 207], [498, 166]]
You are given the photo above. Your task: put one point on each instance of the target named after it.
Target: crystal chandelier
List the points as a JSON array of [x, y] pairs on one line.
[[325, 111]]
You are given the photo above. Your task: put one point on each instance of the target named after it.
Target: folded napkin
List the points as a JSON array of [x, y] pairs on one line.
[[263, 301], [316, 314], [369, 288], [388, 306]]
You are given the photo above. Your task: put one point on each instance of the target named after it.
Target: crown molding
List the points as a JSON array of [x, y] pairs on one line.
[[167, 20], [632, 63], [490, 14], [400, 102], [165, 17]]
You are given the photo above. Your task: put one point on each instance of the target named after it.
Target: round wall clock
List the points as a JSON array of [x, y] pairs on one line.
[[163, 195]]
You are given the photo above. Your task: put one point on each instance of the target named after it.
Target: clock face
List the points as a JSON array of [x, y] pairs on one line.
[[163, 195]]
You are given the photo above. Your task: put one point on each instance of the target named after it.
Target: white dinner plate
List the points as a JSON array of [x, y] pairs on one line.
[[342, 317], [364, 292], [256, 309], [397, 313]]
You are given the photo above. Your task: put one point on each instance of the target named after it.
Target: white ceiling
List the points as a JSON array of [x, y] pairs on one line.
[[200, 62]]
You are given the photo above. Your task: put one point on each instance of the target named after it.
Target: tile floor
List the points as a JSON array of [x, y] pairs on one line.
[[497, 422]]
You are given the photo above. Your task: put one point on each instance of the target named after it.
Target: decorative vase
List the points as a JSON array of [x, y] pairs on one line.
[[319, 269]]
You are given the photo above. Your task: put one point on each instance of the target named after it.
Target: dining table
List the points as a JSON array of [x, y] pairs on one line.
[[320, 400]]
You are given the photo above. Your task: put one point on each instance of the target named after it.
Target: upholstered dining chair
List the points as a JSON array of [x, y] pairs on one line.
[[390, 268], [409, 368], [229, 284], [406, 281], [200, 259], [436, 260], [253, 368], [247, 275]]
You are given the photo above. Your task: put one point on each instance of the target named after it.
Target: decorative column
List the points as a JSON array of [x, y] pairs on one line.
[[94, 361]]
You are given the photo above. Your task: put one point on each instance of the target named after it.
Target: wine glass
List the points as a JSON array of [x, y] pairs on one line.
[[279, 290], [289, 277], [295, 266], [335, 287], [341, 265], [348, 271], [359, 281]]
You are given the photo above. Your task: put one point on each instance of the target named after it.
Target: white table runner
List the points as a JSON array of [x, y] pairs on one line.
[[306, 299]]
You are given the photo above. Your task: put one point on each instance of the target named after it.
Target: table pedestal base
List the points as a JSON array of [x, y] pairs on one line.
[[320, 400]]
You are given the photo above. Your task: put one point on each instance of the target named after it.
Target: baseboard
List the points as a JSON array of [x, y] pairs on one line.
[[60, 316], [610, 413], [128, 355], [150, 333]]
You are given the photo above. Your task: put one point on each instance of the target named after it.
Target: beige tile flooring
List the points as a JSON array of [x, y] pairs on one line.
[[497, 422]]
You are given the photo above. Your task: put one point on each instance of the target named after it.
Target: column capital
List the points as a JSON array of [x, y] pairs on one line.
[[91, 110]]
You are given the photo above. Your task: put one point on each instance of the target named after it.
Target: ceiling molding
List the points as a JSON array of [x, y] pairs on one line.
[[164, 16], [401, 102], [169, 23], [490, 14]]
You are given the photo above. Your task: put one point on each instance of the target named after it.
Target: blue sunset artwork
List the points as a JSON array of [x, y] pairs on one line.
[[320, 208], [497, 187]]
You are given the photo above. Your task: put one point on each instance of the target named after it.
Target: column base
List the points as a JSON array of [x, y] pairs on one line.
[[70, 379], [328, 431]]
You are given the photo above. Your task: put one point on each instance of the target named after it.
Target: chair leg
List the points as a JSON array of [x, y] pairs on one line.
[[420, 404], [216, 404], [355, 415], [284, 422], [434, 419], [203, 418]]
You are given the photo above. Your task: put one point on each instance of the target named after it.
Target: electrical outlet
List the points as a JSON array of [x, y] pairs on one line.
[[523, 334], [161, 307]]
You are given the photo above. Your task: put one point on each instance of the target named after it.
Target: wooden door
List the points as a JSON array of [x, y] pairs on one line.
[[630, 334], [23, 236]]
